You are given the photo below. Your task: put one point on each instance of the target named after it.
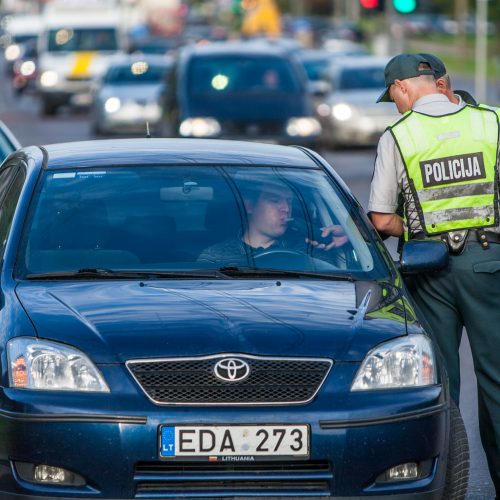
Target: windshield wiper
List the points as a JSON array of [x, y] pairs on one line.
[[101, 273], [243, 271]]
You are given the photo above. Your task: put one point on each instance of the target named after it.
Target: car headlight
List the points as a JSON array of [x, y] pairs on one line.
[[342, 112], [404, 362], [199, 127], [323, 109], [27, 68], [50, 366], [112, 105], [304, 126], [49, 78], [12, 52]]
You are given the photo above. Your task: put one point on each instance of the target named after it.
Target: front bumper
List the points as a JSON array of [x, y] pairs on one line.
[[130, 118], [112, 441]]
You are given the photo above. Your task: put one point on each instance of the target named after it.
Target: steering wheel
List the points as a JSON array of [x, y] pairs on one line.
[[280, 255], [300, 260]]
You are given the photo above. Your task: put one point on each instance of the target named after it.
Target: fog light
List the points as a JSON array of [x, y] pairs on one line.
[[48, 474], [403, 472]]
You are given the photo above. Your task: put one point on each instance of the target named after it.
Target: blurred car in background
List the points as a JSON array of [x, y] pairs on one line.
[[130, 94], [255, 90], [8, 142], [76, 44], [316, 63], [349, 114], [25, 69], [20, 30]]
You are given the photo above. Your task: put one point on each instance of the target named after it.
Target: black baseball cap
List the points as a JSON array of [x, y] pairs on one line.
[[401, 67], [436, 64]]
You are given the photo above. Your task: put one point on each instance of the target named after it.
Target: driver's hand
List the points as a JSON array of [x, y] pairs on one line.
[[335, 233]]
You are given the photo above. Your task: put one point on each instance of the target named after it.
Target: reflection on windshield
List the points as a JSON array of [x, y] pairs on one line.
[[79, 39], [220, 75], [186, 219], [124, 75]]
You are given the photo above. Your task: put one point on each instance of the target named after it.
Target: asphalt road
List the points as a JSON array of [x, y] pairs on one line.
[[354, 166]]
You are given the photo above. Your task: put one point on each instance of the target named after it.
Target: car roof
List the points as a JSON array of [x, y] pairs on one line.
[[258, 47], [307, 54], [127, 59], [149, 151], [24, 24], [360, 61]]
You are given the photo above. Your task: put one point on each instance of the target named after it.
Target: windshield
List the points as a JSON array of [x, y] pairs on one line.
[[83, 39], [316, 69], [22, 39], [239, 74], [188, 219], [137, 73], [362, 78]]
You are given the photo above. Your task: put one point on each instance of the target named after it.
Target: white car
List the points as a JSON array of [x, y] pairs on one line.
[[75, 47], [129, 96], [349, 113]]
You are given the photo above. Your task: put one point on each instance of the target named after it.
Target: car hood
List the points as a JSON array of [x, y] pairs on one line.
[[249, 106], [116, 321]]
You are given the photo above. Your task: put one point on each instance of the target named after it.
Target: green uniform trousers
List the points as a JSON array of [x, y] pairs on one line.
[[467, 294]]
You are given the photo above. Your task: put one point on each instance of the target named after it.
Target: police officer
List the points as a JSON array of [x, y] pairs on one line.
[[443, 159]]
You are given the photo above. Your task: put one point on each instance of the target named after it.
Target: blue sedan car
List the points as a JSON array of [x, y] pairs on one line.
[[188, 318]]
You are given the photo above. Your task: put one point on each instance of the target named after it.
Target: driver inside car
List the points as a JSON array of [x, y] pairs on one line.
[[268, 210]]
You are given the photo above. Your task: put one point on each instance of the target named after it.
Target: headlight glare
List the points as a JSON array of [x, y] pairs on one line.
[[27, 68], [45, 365], [323, 109], [342, 112], [404, 362], [12, 52], [199, 127], [49, 78], [303, 127], [112, 105]]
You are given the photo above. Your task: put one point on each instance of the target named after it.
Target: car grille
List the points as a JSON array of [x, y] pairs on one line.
[[193, 381], [301, 479], [74, 78]]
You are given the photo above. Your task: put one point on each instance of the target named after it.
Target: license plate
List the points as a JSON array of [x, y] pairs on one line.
[[234, 442]]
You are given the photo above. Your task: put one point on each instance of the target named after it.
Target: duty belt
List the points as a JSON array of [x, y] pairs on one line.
[[456, 240]]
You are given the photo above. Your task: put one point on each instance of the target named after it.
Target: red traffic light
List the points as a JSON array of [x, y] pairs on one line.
[[370, 4]]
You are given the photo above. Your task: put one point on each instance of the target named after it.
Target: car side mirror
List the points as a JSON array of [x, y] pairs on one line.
[[423, 256]]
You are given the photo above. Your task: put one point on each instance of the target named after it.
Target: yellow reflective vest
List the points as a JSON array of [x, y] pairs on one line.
[[451, 163]]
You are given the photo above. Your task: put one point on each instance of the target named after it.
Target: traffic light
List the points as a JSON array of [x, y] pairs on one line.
[[370, 4], [404, 6]]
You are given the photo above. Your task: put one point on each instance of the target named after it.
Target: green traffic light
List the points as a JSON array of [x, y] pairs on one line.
[[405, 6]]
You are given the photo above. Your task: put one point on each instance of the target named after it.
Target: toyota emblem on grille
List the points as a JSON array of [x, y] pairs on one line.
[[232, 370]]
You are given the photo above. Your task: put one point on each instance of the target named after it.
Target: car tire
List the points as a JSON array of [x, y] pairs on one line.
[[49, 108], [457, 469], [95, 129]]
